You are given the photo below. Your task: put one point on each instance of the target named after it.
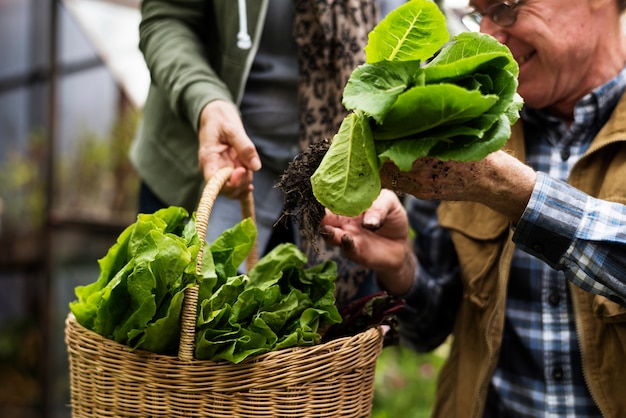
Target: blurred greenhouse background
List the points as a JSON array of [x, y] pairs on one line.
[[72, 85]]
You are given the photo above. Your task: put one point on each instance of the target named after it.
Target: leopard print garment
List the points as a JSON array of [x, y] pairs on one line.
[[331, 36]]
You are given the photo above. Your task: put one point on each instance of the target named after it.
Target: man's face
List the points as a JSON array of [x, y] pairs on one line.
[[554, 45]]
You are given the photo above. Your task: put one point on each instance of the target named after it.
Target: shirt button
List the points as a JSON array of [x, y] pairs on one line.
[[557, 373], [565, 154], [554, 299]]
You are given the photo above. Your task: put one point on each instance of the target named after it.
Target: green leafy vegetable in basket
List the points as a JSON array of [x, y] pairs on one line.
[[137, 299], [457, 106], [279, 304]]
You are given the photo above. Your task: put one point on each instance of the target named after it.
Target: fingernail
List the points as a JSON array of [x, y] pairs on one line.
[[371, 222]]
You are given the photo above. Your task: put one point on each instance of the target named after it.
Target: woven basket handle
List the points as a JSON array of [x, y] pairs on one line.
[[190, 300]]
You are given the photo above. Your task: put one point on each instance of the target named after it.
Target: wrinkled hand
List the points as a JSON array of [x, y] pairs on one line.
[[223, 142], [499, 181], [377, 239]]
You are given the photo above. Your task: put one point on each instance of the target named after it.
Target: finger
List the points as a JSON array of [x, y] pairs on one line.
[[333, 219], [334, 236], [239, 184], [347, 243], [374, 217], [247, 153], [339, 238]]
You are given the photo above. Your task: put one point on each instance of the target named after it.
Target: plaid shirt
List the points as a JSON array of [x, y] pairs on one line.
[[539, 372]]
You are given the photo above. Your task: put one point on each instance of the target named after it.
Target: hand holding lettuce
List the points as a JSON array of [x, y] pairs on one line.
[[138, 296], [458, 106]]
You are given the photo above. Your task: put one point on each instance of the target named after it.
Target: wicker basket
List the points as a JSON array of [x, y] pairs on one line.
[[333, 379]]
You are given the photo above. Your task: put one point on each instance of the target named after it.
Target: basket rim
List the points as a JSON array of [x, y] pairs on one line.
[[375, 333]]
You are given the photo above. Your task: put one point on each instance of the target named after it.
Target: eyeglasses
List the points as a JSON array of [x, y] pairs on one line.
[[503, 14]]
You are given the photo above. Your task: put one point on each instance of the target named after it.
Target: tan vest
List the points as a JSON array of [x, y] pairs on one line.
[[482, 239]]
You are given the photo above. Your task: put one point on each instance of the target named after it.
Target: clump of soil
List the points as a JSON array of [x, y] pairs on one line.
[[295, 183]]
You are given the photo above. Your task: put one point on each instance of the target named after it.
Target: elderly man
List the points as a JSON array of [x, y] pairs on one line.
[[521, 257]]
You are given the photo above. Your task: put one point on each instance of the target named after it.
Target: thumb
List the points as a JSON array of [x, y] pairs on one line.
[[374, 217], [247, 153]]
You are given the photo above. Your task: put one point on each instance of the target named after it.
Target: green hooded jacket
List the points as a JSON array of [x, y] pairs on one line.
[[192, 53]]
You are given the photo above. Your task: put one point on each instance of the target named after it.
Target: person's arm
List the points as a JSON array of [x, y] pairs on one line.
[[173, 37], [499, 181], [585, 236], [570, 230], [432, 303]]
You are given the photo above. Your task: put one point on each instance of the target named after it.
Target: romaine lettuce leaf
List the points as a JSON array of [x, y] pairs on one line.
[[352, 155], [374, 88], [408, 33], [425, 107]]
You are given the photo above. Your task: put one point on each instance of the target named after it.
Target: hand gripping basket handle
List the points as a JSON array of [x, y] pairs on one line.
[[190, 300]]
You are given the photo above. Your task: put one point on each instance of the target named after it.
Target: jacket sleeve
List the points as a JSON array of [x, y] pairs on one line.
[[431, 305], [173, 35], [587, 236]]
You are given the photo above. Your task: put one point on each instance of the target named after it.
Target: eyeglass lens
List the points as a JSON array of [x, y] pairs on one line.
[[502, 14]]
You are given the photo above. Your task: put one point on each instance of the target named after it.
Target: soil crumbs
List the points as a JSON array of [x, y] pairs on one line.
[[295, 183]]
